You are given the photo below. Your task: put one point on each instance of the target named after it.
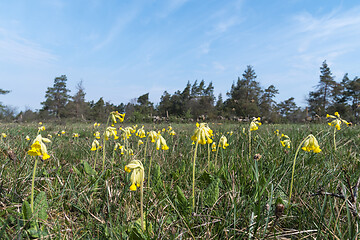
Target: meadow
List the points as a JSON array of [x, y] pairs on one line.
[[241, 190]]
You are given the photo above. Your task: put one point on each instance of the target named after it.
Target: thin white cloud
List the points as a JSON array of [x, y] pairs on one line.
[[120, 24], [205, 48], [224, 25], [337, 28], [218, 66], [22, 51], [170, 7]]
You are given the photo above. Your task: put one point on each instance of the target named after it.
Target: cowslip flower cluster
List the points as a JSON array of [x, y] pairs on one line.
[[116, 115], [137, 175], [75, 135], [126, 132], [97, 135], [111, 131], [152, 136], [161, 142], [285, 140], [202, 134], [223, 142], [141, 132], [337, 120], [95, 145], [254, 124], [311, 144], [38, 147], [213, 147]]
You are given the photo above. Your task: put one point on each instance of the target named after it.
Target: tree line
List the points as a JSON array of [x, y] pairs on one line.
[[245, 99]]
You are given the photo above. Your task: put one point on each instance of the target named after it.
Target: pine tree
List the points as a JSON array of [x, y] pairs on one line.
[[267, 103], [78, 107], [3, 92], [321, 99], [56, 98], [244, 96]]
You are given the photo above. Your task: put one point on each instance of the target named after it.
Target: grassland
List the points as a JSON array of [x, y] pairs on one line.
[[238, 198]]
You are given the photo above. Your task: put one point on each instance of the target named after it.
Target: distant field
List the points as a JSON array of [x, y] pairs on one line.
[[235, 197]]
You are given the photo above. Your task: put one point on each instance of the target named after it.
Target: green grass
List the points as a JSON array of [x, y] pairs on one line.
[[237, 199]]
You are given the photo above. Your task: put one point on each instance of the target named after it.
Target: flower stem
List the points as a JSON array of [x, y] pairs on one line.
[[249, 144], [32, 187], [104, 143], [193, 185], [142, 204], [293, 168], [217, 151], [96, 155], [145, 149], [148, 183], [334, 139], [208, 157]]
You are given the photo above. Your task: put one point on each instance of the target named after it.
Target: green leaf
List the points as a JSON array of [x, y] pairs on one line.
[[182, 202], [26, 210], [41, 206], [211, 193], [76, 171], [88, 169]]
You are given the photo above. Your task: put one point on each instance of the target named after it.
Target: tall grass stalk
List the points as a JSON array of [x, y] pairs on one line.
[[293, 168], [193, 176]]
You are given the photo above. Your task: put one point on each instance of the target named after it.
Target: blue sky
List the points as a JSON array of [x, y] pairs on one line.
[[123, 49]]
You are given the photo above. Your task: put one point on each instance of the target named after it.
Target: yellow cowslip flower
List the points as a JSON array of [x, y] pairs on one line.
[[133, 129], [49, 136], [40, 123], [96, 124], [254, 124], [42, 128], [3, 135], [75, 135], [130, 152], [172, 133], [137, 175], [97, 135], [126, 132], [231, 133], [163, 130], [213, 147], [202, 134], [277, 132], [111, 131], [140, 142], [38, 147], [223, 142], [95, 145], [117, 146], [161, 142], [141, 132], [27, 138], [169, 128], [311, 144], [285, 140], [152, 136], [337, 120], [62, 132], [243, 130], [116, 115]]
